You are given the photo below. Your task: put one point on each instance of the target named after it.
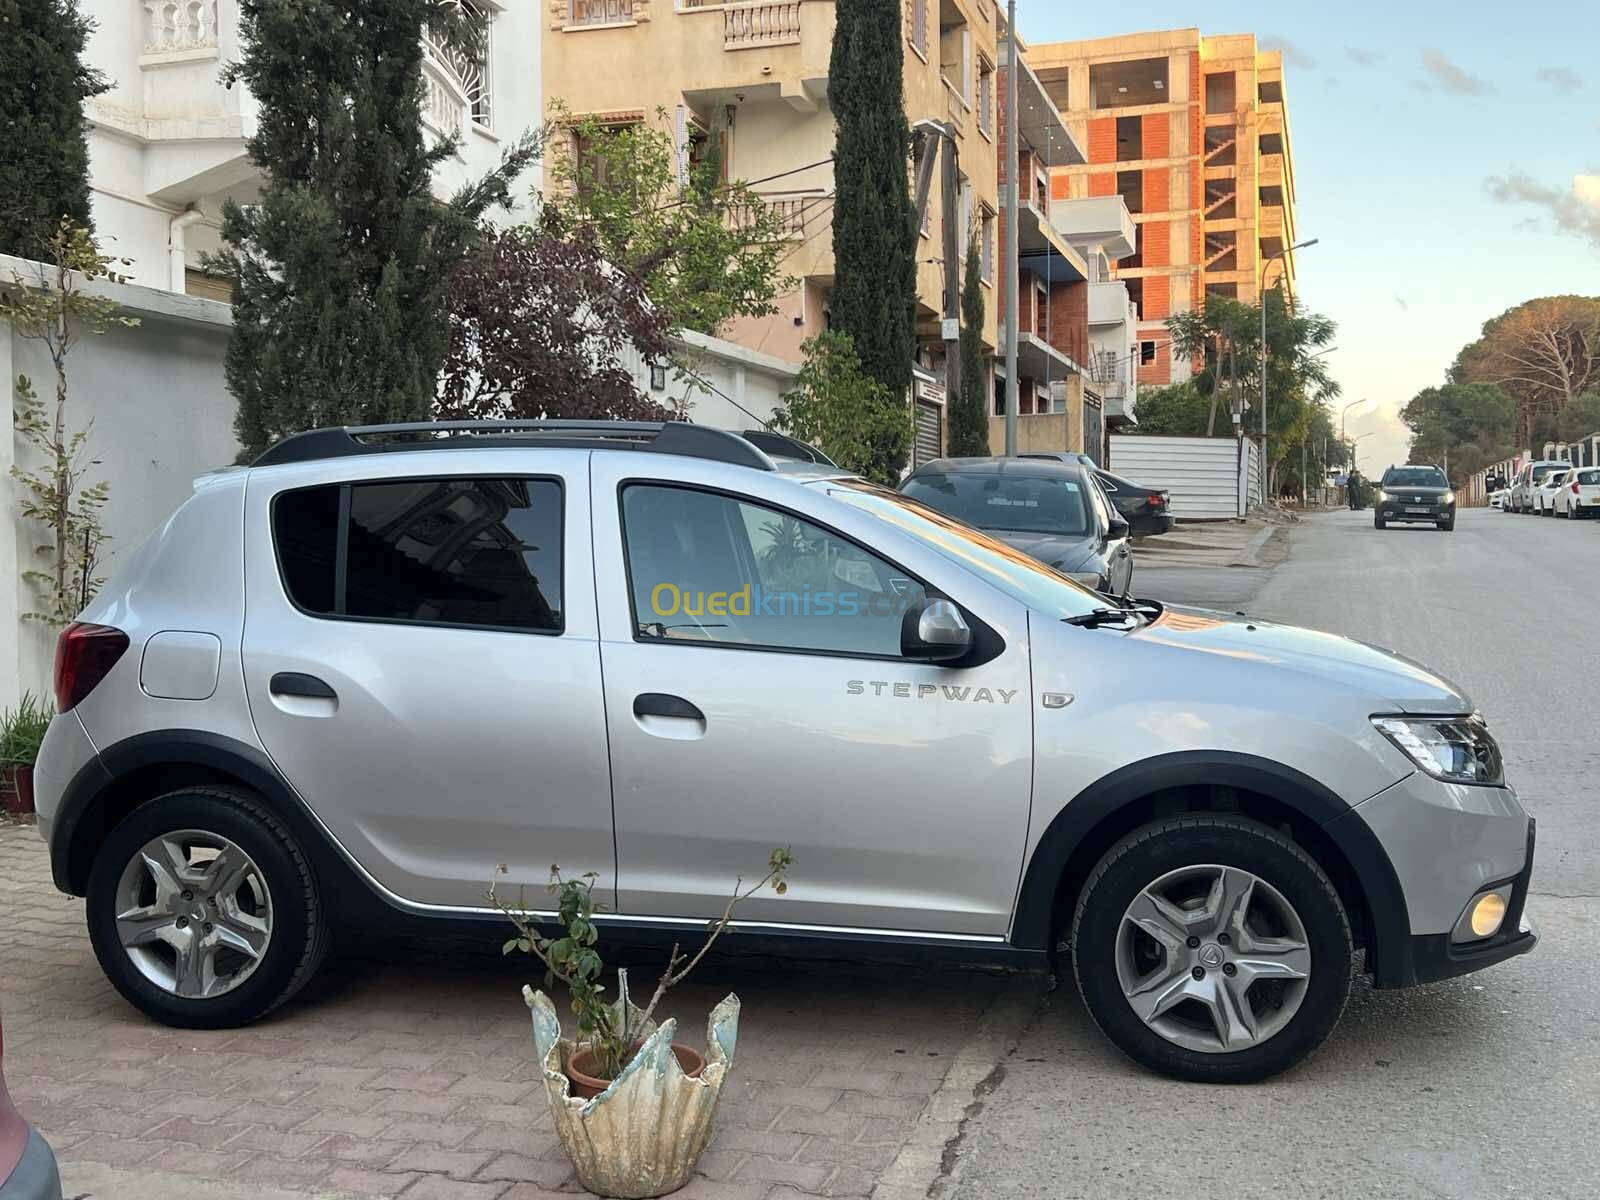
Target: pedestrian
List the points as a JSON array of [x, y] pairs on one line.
[[1353, 490]]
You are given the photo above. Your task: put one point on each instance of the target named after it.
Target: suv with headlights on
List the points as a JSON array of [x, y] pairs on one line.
[[342, 685], [1414, 494]]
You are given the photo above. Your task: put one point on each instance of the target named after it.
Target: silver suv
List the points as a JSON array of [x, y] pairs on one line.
[[347, 682]]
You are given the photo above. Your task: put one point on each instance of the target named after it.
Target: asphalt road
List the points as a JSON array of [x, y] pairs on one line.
[[1483, 1086]]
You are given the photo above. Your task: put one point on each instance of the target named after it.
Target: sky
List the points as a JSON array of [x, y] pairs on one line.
[[1446, 156]]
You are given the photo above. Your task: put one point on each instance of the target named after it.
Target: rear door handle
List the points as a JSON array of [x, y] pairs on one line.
[[660, 704], [293, 683]]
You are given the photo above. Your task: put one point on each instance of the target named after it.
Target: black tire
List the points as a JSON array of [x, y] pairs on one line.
[[1447, 526], [299, 936], [1377, 521], [1152, 851]]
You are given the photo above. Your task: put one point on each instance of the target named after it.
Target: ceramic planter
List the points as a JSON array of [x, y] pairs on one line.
[[644, 1133], [16, 788]]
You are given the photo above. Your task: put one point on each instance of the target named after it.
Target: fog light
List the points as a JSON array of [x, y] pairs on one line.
[[1487, 913]]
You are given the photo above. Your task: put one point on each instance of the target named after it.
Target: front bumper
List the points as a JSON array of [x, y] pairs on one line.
[[1447, 843], [1395, 510]]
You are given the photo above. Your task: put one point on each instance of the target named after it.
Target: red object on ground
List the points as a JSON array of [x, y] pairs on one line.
[[13, 1129], [16, 789]]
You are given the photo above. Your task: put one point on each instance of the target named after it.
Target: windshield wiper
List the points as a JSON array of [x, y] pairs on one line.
[[1096, 617]]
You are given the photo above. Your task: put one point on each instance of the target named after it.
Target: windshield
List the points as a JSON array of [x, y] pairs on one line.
[[1013, 503], [1415, 477], [1024, 579]]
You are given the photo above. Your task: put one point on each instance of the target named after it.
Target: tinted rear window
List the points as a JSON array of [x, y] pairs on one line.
[[1540, 472], [1012, 503], [1415, 477], [1589, 477], [474, 552]]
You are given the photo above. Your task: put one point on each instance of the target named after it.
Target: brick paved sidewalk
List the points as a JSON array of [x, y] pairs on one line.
[[414, 1076]]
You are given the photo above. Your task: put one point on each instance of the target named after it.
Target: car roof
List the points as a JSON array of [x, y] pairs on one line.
[[1026, 468]]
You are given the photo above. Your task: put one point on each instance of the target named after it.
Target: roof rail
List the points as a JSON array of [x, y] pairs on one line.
[[784, 445], [661, 437]]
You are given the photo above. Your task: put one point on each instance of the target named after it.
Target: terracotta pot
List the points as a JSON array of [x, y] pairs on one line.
[[16, 788], [586, 1085]]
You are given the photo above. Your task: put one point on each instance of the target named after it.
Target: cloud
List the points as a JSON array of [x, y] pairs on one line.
[[1445, 76], [1363, 58], [1575, 211], [1561, 81], [1292, 54]]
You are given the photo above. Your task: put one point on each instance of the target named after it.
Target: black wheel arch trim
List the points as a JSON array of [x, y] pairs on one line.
[[77, 822], [1390, 933]]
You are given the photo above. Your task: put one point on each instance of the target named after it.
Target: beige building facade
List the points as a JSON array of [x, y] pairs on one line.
[[759, 73], [1192, 132]]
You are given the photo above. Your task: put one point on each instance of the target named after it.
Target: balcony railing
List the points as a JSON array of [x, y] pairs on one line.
[[600, 12], [172, 25], [756, 26], [793, 209], [955, 106]]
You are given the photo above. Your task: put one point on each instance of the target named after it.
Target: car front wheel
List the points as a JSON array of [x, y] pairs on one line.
[[1212, 949], [203, 911]]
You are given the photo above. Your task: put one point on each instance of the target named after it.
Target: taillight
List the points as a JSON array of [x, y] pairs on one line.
[[1575, 490], [1156, 499], [85, 653]]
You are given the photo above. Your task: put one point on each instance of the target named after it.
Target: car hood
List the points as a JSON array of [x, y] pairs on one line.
[[1405, 489], [1409, 686], [1061, 551]]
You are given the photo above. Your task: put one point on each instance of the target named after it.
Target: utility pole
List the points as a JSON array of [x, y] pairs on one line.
[[1013, 384]]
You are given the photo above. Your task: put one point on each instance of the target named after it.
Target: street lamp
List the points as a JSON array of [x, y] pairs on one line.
[[1346, 409], [1261, 296]]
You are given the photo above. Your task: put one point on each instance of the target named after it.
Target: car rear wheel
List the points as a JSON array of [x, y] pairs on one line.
[[1212, 949], [203, 911]]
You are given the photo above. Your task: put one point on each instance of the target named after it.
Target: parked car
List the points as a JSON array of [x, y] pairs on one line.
[[1147, 510], [27, 1165], [1546, 494], [1580, 495], [1500, 498], [654, 652], [1528, 480], [1051, 510], [1414, 494]]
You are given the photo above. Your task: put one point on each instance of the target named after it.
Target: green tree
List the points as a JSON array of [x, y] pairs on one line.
[[1544, 354], [1581, 417], [44, 166], [837, 406], [1214, 338], [708, 251], [341, 267], [969, 411], [53, 308], [1178, 408], [1451, 421], [874, 225]]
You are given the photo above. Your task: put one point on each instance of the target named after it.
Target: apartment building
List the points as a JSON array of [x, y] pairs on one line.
[[1193, 133], [167, 141], [758, 72]]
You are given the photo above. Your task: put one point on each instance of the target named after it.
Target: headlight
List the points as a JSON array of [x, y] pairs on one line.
[[1455, 749], [1448, 498], [1382, 495]]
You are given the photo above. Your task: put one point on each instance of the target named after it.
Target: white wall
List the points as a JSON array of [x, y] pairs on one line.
[[161, 416], [1202, 474], [728, 386]]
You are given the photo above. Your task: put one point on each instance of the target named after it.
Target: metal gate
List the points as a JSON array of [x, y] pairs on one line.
[[1094, 431], [929, 440]]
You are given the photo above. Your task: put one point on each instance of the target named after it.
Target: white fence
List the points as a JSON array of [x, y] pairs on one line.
[[1205, 476]]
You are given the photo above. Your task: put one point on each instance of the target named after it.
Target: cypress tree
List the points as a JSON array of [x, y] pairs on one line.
[[874, 225], [969, 412], [44, 150], [340, 269]]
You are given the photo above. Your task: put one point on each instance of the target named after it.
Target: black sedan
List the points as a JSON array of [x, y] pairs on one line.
[[1053, 511], [1146, 509], [1419, 494]]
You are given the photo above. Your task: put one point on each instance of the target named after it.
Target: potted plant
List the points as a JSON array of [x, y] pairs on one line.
[[633, 1108], [21, 733]]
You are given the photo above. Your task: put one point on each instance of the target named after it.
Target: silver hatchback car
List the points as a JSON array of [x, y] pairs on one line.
[[345, 683]]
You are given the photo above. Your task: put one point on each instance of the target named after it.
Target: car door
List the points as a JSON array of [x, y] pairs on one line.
[[422, 664], [756, 698]]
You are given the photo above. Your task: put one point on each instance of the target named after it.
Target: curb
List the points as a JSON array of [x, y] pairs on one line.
[[929, 1164], [1250, 554]]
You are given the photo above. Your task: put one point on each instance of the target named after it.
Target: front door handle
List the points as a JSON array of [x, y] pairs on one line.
[[293, 683], [660, 704]]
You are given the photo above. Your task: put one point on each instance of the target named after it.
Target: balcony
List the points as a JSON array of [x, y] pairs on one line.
[[793, 209], [1110, 305], [1042, 250], [180, 28], [1102, 221], [759, 26], [955, 106], [600, 12], [796, 37]]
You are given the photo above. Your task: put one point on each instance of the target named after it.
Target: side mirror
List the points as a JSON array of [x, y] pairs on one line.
[[1118, 528], [934, 631]]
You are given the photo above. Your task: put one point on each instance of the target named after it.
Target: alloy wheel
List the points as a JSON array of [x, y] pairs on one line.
[[1213, 958], [193, 913]]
